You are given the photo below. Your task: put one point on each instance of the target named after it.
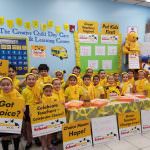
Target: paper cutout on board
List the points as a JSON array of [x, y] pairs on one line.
[[132, 29], [19, 22], [10, 23], [85, 50], [66, 26], [109, 39], [35, 24], [38, 50], [100, 50], [88, 38], [93, 64], [134, 61], [50, 24], [72, 28], [43, 27], [1, 20], [112, 50], [27, 25], [58, 29], [106, 64]]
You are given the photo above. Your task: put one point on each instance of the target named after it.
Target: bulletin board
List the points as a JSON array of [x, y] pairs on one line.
[[14, 49], [99, 51]]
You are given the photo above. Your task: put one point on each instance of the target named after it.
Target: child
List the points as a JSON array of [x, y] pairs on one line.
[[34, 71], [103, 79], [147, 88], [60, 75], [32, 96], [9, 93], [99, 90], [47, 98], [57, 91], [116, 77], [76, 70], [126, 86], [44, 77], [73, 91], [88, 88], [89, 71], [111, 88], [140, 83], [12, 72], [131, 77]]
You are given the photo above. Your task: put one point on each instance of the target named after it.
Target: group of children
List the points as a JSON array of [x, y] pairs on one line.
[[38, 87]]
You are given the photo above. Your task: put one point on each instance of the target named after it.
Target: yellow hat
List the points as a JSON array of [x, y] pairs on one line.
[[141, 71], [55, 79], [47, 84], [59, 71], [124, 73], [27, 74], [72, 75], [6, 78], [148, 75], [33, 68]]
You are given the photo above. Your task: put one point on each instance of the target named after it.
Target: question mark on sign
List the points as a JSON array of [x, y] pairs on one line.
[[18, 113]]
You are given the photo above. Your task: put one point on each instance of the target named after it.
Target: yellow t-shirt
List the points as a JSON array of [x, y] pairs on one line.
[[42, 80], [103, 82], [126, 87], [60, 95], [73, 92], [147, 88], [140, 85], [132, 81], [88, 92], [99, 90], [16, 83], [118, 83], [80, 81], [31, 95], [49, 99]]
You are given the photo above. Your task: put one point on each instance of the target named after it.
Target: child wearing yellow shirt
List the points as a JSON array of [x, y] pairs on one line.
[[116, 77], [58, 91], [88, 89], [76, 70], [126, 86], [103, 79], [32, 96], [98, 89], [60, 75], [140, 84], [147, 88], [89, 71], [73, 91], [44, 77], [111, 88], [9, 93], [131, 77]]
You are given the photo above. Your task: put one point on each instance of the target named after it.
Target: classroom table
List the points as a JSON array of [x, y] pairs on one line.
[[111, 108]]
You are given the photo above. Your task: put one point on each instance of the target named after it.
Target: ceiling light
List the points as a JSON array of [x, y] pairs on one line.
[[147, 1]]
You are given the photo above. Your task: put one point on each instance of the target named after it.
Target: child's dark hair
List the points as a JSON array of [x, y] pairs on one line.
[[77, 67], [130, 70], [86, 76], [100, 71], [96, 76], [74, 77], [47, 86], [13, 67], [43, 67]]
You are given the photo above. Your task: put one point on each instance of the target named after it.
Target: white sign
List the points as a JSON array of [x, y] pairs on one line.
[[132, 29], [104, 129], [106, 64], [145, 119], [100, 50], [112, 50], [93, 64], [134, 62], [109, 39], [88, 38], [85, 50]]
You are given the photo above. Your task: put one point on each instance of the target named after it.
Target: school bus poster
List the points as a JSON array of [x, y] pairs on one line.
[[47, 118], [129, 124], [11, 116], [77, 135]]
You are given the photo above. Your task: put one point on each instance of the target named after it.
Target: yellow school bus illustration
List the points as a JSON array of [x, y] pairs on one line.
[[59, 51]]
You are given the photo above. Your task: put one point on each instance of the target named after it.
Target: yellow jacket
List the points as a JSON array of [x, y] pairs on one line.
[[140, 85], [98, 90], [60, 95], [49, 99]]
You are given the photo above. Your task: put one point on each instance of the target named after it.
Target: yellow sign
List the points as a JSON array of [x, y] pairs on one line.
[[27, 25], [10, 23], [43, 27], [76, 130], [35, 24], [58, 29], [1, 20], [130, 119], [66, 26], [38, 50], [4, 67], [110, 29], [87, 27], [19, 21], [50, 24]]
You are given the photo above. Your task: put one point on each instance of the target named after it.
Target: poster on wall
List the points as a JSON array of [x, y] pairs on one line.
[[4, 67], [46, 119], [129, 124], [104, 129], [77, 135], [38, 50], [145, 120], [134, 62]]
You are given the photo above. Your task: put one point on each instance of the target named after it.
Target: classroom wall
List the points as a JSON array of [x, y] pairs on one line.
[[70, 11]]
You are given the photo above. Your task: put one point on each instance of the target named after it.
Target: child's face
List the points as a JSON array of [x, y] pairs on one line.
[[47, 91], [102, 74], [56, 85], [87, 81], [125, 78], [76, 72], [96, 80], [89, 72], [72, 81], [116, 77], [6, 85], [59, 75], [31, 80], [35, 71], [141, 75], [11, 73], [110, 80], [130, 75], [43, 73]]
